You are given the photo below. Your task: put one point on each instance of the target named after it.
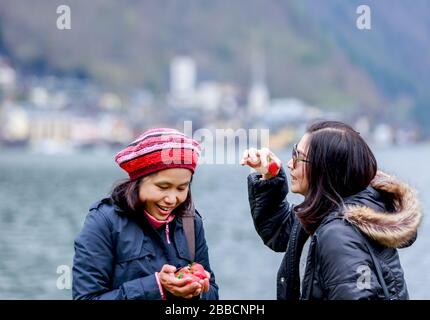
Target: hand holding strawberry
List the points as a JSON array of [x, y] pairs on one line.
[[274, 167], [195, 272], [181, 287], [263, 160]]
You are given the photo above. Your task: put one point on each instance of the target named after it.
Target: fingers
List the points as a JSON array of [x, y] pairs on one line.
[[261, 160], [205, 285], [251, 158], [245, 156], [191, 295], [254, 156], [179, 287], [382, 174], [167, 274], [167, 268], [264, 154], [169, 280], [179, 282], [188, 291], [197, 292]]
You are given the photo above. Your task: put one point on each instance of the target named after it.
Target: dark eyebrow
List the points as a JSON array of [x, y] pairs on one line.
[[169, 184], [301, 152]]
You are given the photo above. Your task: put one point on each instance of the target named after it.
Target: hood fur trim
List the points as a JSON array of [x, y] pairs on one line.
[[392, 229]]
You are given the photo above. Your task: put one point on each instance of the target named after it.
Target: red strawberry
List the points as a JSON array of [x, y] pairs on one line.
[[273, 167], [182, 272], [194, 272], [192, 278], [198, 270]]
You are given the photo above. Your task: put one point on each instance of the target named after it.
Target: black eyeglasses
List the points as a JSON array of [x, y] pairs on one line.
[[295, 155]]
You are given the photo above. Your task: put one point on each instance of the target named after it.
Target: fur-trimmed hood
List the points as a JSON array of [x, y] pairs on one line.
[[388, 211]]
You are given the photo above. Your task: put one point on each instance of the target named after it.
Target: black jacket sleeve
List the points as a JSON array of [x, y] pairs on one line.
[[272, 215]]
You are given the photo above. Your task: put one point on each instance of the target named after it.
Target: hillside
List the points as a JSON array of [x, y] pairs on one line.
[[312, 48]]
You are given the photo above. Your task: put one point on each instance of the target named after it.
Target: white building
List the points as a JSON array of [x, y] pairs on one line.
[[182, 80], [258, 98], [7, 76], [258, 95], [15, 124], [383, 134], [39, 96], [214, 97], [291, 110]]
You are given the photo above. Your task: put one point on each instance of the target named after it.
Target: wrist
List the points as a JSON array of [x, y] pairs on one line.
[[160, 287], [267, 176]]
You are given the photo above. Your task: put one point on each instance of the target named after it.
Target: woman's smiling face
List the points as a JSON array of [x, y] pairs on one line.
[[164, 191]]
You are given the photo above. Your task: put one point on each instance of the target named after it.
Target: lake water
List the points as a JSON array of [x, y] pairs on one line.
[[45, 198]]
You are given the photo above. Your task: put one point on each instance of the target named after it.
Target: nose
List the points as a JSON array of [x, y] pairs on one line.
[[290, 164], [170, 198]]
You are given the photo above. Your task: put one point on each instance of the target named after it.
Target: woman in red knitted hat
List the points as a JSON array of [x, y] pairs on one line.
[[133, 242]]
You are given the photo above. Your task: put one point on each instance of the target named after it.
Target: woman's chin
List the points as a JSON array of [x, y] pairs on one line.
[[293, 188]]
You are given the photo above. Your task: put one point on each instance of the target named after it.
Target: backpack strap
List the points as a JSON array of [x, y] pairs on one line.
[[188, 224]]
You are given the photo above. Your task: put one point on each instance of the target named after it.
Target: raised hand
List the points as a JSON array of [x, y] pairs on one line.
[[262, 160]]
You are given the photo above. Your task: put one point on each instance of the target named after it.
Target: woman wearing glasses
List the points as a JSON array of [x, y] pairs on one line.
[[341, 241]]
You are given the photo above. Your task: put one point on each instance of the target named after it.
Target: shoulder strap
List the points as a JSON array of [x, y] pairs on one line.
[[188, 223], [375, 263]]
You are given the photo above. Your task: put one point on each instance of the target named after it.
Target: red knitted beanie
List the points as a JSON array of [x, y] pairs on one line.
[[158, 149]]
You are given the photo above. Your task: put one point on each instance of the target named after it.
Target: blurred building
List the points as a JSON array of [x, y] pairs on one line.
[[7, 77], [182, 81], [14, 124], [258, 95], [50, 132], [258, 99]]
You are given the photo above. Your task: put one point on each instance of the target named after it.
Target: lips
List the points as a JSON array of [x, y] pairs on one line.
[[165, 210]]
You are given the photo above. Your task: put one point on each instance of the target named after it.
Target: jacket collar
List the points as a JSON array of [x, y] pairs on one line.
[[388, 211]]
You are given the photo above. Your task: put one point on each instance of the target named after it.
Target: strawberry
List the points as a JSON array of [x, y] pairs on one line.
[[182, 272], [198, 270], [273, 167], [193, 271], [192, 278]]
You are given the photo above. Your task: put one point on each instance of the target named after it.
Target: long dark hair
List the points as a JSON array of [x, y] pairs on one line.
[[340, 164], [125, 195]]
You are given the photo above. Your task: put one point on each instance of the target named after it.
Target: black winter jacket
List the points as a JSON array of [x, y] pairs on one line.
[[387, 213]]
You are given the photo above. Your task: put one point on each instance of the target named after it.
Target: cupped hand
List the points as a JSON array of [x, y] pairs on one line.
[[178, 287]]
